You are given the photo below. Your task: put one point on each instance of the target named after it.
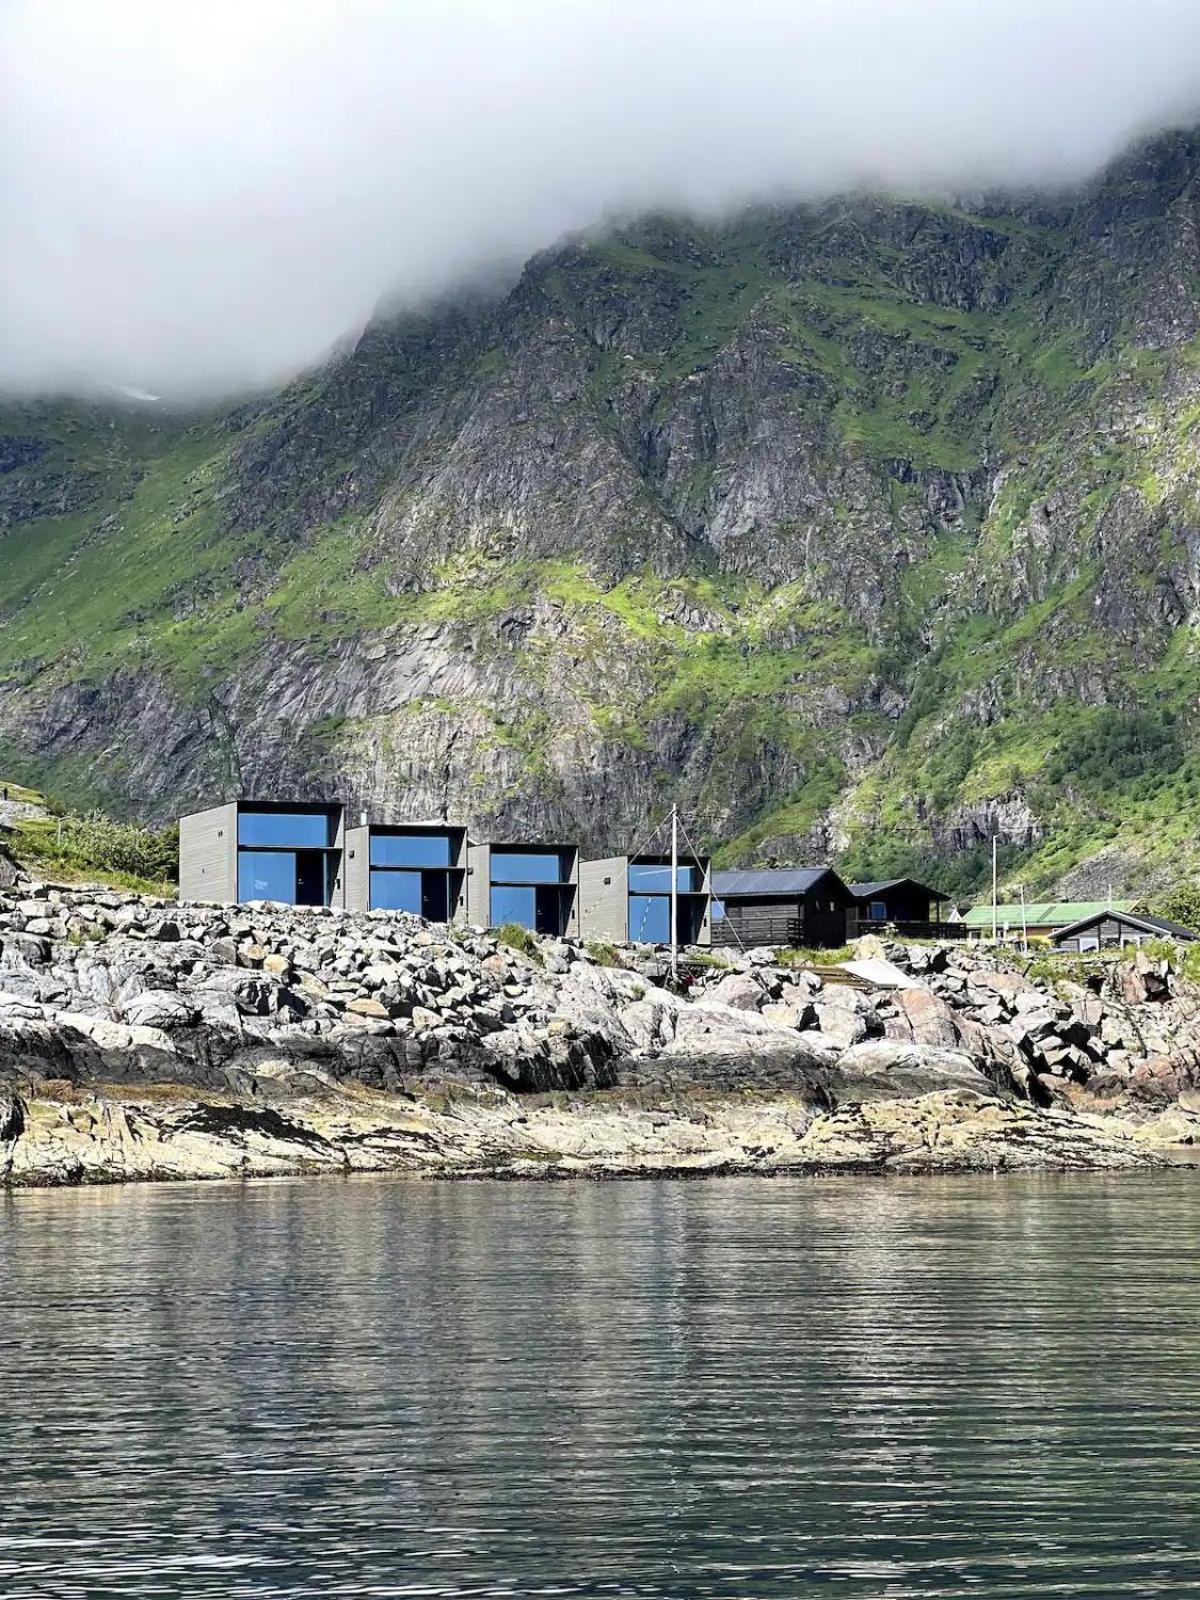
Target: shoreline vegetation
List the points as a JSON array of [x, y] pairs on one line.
[[144, 1039]]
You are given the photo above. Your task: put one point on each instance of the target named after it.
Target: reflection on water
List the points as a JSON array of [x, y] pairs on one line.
[[876, 1388]]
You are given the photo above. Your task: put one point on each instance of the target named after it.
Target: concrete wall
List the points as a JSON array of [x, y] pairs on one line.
[[479, 879], [337, 895], [208, 855], [704, 939], [356, 869], [604, 899]]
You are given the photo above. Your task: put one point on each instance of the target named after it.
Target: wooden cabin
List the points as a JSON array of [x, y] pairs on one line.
[[779, 906], [911, 908], [1113, 929]]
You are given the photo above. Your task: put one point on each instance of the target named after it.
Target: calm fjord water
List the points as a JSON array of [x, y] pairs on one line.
[[877, 1388]]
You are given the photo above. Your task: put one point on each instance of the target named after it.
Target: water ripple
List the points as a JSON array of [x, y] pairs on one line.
[[731, 1389]]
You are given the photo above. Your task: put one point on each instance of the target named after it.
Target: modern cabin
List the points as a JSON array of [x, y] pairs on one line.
[[806, 906], [1112, 929], [911, 908], [416, 867], [1036, 919], [627, 899], [288, 851], [533, 885]]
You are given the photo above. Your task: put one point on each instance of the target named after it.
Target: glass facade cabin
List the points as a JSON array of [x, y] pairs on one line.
[[288, 855], [418, 871], [649, 893], [532, 888]]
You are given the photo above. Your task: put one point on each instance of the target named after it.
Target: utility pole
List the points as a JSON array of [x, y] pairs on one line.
[[1024, 924], [995, 890], [675, 894]]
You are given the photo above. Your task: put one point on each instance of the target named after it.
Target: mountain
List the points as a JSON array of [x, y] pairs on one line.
[[863, 529]]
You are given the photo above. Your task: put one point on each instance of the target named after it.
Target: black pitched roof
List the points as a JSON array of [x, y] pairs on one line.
[[768, 880], [866, 891], [1140, 920]]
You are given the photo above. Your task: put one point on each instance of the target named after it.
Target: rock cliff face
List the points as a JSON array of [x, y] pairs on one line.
[[862, 529]]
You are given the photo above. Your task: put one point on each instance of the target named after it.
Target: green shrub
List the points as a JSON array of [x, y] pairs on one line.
[[1184, 958], [816, 958], [603, 953], [1181, 905], [1111, 747], [520, 939], [97, 844]]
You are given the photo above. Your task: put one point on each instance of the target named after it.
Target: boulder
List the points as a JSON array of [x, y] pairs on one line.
[[839, 1022], [886, 1066], [930, 1019], [365, 1006], [738, 990], [160, 1008]]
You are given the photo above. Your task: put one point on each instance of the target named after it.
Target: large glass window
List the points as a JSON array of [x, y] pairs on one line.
[[410, 850], [656, 879], [397, 891], [523, 867], [650, 918], [285, 830], [512, 903], [267, 875]]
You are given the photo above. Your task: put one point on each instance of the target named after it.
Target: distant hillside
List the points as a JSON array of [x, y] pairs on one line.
[[863, 530]]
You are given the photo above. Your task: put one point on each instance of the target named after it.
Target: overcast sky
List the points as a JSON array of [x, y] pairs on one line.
[[197, 195]]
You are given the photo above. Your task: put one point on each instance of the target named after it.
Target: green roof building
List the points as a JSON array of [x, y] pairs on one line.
[[1037, 917]]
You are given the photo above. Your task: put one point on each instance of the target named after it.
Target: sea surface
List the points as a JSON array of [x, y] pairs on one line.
[[374, 1387]]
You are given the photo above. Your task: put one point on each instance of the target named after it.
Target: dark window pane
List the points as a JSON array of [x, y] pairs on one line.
[[310, 830], [410, 850], [514, 905], [644, 879], [878, 911], [396, 891], [267, 876], [650, 918], [520, 867]]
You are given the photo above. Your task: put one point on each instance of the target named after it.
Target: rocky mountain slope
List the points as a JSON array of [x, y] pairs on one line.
[[862, 529]]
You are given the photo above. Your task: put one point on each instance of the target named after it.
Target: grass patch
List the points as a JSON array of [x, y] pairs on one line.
[[519, 939]]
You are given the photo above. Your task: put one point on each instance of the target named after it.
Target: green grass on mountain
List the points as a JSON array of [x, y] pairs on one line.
[[929, 483]]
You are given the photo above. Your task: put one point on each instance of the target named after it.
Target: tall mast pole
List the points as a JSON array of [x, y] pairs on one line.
[[675, 892], [995, 840]]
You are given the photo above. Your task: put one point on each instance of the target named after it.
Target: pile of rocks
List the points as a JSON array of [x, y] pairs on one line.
[[103, 983], [1116, 1028], [103, 986]]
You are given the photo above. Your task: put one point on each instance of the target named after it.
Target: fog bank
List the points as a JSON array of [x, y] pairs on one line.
[[204, 195]]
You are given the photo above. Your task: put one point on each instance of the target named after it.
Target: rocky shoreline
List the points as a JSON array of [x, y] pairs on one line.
[[141, 1039]]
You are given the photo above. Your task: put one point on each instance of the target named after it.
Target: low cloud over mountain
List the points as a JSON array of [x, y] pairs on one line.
[[200, 196]]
